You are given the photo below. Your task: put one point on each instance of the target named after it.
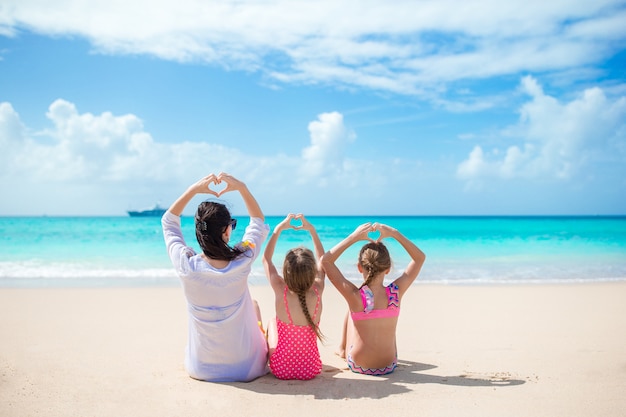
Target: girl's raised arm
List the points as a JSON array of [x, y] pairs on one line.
[[276, 281], [418, 257], [348, 290], [317, 245]]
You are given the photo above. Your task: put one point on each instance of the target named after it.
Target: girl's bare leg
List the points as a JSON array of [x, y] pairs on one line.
[[341, 350]]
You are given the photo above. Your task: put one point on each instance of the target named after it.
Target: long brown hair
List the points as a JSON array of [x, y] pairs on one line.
[[300, 270], [374, 258]]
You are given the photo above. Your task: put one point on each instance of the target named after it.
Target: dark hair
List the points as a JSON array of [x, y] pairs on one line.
[[212, 219], [299, 271], [374, 258]]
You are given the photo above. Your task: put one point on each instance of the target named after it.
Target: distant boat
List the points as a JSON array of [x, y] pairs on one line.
[[156, 211]]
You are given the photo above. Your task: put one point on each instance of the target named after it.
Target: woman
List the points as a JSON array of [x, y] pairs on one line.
[[225, 341]]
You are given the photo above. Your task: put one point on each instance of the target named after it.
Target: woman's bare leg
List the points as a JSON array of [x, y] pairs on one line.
[[272, 336], [257, 309]]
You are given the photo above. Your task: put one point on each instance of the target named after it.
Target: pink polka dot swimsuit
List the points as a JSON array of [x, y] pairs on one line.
[[296, 355]]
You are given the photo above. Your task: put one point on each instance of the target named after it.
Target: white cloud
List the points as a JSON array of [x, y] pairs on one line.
[[12, 133], [91, 158], [11, 127], [329, 138], [556, 140], [89, 163], [404, 47]]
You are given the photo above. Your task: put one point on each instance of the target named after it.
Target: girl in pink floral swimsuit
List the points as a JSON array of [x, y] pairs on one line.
[[292, 337]]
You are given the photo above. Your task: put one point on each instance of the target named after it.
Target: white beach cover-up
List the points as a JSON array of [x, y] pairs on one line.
[[225, 342]]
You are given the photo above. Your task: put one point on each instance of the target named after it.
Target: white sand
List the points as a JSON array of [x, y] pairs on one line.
[[550, 350]]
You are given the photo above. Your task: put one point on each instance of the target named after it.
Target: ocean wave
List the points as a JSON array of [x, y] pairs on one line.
[[51, 274], [33, 274]]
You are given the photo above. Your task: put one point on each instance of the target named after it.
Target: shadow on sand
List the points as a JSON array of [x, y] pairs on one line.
[[335, 383]]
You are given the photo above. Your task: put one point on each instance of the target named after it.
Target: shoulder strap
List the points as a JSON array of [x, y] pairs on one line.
[[367, 298], [392, 295], [287, 304]]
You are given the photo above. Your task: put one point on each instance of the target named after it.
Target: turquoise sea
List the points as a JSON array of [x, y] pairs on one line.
[[124, 251]]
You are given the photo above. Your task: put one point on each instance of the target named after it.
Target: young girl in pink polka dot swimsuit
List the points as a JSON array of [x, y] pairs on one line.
[[292, 336]]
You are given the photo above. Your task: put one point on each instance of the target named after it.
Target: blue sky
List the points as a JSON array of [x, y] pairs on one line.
[[328, 108]]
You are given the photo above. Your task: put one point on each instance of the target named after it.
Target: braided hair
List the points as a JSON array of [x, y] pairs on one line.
[[212, 219], [300, 270], [374, 258]]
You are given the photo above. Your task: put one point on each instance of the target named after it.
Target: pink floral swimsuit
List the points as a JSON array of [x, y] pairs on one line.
[[296, 355]]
